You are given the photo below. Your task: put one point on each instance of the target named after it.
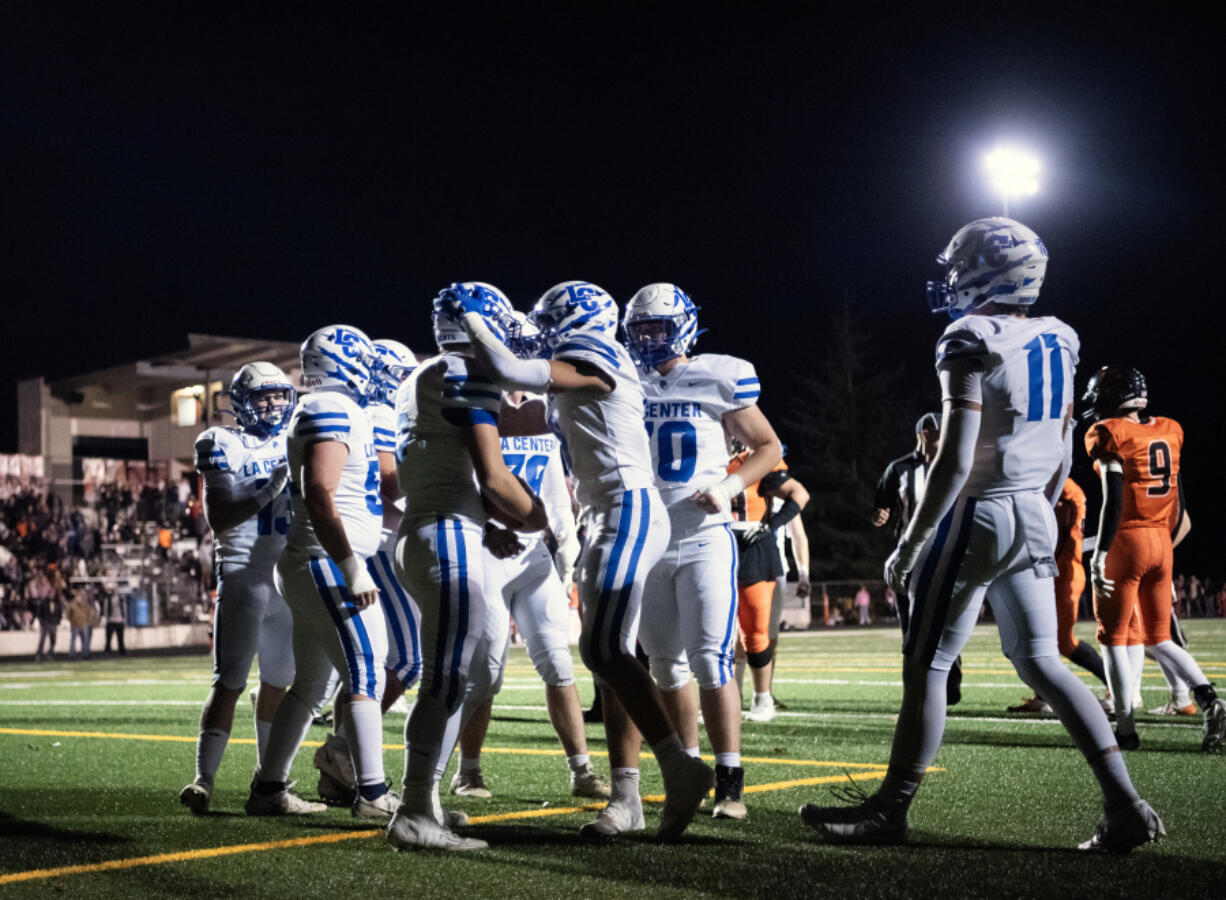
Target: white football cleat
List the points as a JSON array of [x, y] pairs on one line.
[[619, 817], [423, 833], [333, 759], [282, 803], [196, 796], [1125, 829], [333, 793], [761, 712], [382, 808], [1171, 708], [586, 783], [470, 784], [684, 790]]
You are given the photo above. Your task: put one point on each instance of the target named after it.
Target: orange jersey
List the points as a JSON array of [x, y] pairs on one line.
[[1149, 452], [749, 506], [1071, 521]]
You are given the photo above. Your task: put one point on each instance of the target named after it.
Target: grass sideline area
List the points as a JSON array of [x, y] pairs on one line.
[[93, 754]]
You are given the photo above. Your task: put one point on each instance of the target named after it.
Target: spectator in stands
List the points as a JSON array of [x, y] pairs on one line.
[[116, 615], [862, 603], [49, 613], [81, 614]]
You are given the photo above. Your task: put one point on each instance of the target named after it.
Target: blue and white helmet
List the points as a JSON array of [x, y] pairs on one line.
[[570, 307], [394, 363], [493, 304], [661, 323], [339, 356], [526, 341], [994, 260], [258, 381]]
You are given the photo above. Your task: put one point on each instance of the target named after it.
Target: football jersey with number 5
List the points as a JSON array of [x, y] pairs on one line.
[[1149, 451], [1029, 366], [331, 415], [683, 412]]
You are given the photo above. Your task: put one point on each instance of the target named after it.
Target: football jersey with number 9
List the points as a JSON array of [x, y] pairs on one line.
[[1149, 451]]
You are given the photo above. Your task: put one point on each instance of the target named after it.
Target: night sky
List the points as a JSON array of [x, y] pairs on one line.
[[262, 172]]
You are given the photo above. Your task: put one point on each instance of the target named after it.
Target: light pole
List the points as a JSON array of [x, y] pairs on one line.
[[1012, 172]]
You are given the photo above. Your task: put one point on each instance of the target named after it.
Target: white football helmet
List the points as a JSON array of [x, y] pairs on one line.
[[990, 260], [526, 341], [495, 309], [258, 381], [339, 356], [661, 323], [570, 307], [395, 362]]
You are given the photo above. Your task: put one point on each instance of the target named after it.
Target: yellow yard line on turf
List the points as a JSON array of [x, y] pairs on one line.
[[505, 751], [336, 837]]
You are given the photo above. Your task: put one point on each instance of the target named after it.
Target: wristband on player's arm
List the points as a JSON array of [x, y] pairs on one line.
[[724, 491], [789, 511]]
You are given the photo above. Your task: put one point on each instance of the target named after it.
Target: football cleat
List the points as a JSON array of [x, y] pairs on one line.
[[423, 833], [1171, 709], [1125, 829], [995, 260], [332, 759], [685, 787], [470, 784], [196, 796], [1131, 741], [586, 783], [729, 785], [761, 712], [333, 793], [618, 817], [382, 808], [282, 803], [1215, 727], [1032, 704], [864, 823]]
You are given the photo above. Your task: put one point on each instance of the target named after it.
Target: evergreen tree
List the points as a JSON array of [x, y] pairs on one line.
[[849, 415]]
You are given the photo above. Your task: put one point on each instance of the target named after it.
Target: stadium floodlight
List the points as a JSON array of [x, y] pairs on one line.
[[1013, 172]]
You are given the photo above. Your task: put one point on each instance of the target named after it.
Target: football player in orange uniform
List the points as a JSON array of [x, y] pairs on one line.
[[1070, 582], [754, 525], [1137, 457]]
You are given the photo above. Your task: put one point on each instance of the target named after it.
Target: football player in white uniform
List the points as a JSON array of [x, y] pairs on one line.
[[597, 403], [338, 627], [246, 505], [393, 364], [986, 522], [449, 462], [690, 597], [527, 580]]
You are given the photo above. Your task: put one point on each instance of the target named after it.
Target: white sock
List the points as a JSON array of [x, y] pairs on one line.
[[261, 739], [731, 760], [693, 751], [578, 761], [1179, 662], [292, 722], [210, 745], [763, 699], [1120, 670], [363, 727], [423, 734], [1136, 659], [625, 785]]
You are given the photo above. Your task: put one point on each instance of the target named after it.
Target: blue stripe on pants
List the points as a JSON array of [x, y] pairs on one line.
[[352, 660], [726, 654], [623, 597], [941, 610], [610, 572], [461, 628], [444, 606], [919, 593]]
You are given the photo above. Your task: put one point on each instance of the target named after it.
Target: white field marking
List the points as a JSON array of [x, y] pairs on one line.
[[975, 684], [100, 703], [41, 673]]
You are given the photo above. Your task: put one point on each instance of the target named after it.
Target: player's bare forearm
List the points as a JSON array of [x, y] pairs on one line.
[[326, 522], [222, 512], [565, 375], [751, 427]]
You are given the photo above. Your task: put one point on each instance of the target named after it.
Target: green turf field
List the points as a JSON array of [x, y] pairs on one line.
[[92, 756]]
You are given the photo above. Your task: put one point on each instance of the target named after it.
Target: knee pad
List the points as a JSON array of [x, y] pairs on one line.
[[220, 682], [713, 669], [760, 659], [555, 666], [670, 674]]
